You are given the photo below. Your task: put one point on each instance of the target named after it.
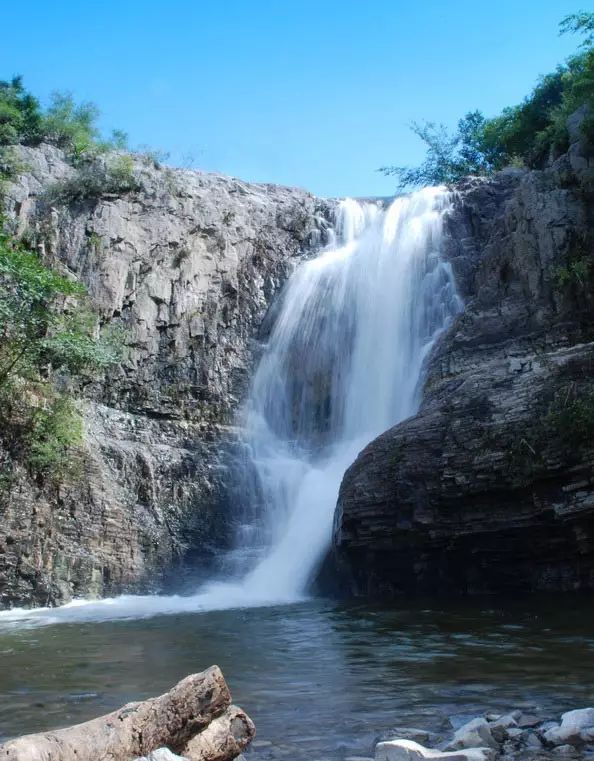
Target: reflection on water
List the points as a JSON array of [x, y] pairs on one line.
[[321, 680]]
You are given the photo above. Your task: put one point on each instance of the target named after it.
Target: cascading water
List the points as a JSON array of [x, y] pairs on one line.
[[342, 365]]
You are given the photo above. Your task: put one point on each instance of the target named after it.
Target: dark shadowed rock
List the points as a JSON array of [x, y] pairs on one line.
[[489, 487]]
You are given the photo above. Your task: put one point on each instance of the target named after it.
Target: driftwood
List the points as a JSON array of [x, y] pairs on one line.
[[195, 719], [225, 737]]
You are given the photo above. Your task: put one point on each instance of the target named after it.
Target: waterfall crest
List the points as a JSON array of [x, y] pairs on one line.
[[342, 365]]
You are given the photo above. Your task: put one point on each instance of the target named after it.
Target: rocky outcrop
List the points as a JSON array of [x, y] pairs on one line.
[[490, 486], [185, 265], [515, 736]]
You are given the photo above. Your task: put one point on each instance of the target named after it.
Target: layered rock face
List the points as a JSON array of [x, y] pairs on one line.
[[490, 486], [186, 266]]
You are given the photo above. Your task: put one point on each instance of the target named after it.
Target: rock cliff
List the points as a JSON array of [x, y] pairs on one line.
[[490, 486], [186, 264]]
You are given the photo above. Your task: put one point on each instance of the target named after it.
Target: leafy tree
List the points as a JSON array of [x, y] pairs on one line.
[[531, 133], [514, 134], [70, 125], [449, 156], [45, 327], [20, 114], [579, 23], [44, 323]]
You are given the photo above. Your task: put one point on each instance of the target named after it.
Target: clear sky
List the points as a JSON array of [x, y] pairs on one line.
[[315, 93]]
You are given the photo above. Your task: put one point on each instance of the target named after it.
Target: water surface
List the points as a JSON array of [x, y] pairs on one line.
[[321, 680]]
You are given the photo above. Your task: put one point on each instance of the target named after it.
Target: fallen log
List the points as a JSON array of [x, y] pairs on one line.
[[225, 737], [195, 717]]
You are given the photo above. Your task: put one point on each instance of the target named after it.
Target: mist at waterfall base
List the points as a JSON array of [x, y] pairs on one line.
[[342, 365]]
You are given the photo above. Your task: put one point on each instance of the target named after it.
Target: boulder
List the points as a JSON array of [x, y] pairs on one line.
[[408, 750], [473, 734], [576, 728], [504, 726]]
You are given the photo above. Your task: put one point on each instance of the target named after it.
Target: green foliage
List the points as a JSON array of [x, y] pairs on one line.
[[525, 130], [55, 434], [28, 293], [112, 175], [570, 417], [42, 429], [449, 157], [44, 322], [21, 120], [73, 127], [46, 327], [529, 134], [575, 273], [579, 23], [69, 125]]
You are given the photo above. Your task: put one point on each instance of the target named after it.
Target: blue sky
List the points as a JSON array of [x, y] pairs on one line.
[[314, 93]]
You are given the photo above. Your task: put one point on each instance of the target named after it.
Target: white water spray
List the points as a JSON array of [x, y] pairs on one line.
[[342, 365]]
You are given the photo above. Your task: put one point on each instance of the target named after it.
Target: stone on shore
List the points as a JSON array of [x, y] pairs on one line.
[[577, 727], [408, 750], [473, 734]]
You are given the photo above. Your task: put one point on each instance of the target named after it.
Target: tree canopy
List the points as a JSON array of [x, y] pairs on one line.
[[528, 134]]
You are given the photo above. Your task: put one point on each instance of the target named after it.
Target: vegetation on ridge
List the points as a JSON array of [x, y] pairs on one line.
[[530, 134], [66, 124]]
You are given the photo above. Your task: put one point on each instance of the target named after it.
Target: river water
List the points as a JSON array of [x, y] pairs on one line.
[[321, 680]]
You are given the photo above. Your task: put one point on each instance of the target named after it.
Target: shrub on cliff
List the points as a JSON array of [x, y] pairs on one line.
[[529, 134], [46, 330], [65, 123], [111, 175], [21, 119], [73, 127]]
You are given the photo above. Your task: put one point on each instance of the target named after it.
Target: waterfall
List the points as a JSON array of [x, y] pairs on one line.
[[342, 365]]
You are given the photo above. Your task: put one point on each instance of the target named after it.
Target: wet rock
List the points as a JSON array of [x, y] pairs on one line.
[[577, 727], [504, 727], [476, 733], [532, 741], [408, 750], [411, 733], [566, 751], [528, 720]]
